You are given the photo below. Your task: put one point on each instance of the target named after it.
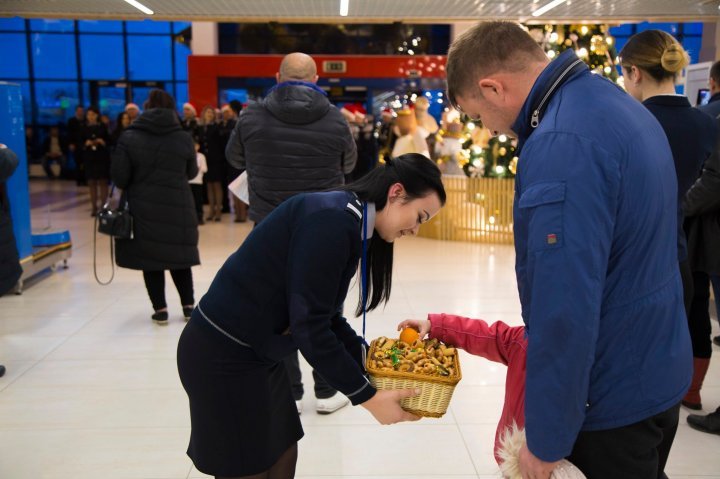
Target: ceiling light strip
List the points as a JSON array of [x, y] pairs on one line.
[[344, 7], [140, 7], [547, 8]]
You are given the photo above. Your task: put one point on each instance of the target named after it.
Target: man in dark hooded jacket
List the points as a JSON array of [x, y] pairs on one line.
[[293, 141]]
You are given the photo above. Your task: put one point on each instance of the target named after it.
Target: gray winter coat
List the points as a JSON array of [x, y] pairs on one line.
[[152, 163], [293, 141]]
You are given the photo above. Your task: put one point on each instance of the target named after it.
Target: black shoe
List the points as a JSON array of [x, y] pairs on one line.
[[716, 340], [2, 371], [160, 317], [709, 423], [187, 312]]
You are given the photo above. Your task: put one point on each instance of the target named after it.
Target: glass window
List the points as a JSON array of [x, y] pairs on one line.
[[111, 101], [695, 28], [622, 30], [14, 24], [149, 57], [56, 101], [671, 28], [181, 94], [14, 63], [54, 56], [140, 94], [692, 45], [147, 26], [181, 55], [107, 26], [180, 26], [102, 57], [52, 25]]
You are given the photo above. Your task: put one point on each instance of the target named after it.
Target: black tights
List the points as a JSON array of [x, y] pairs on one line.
[[284, 468]]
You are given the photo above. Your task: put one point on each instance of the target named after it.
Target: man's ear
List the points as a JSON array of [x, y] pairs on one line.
[[492, 90]]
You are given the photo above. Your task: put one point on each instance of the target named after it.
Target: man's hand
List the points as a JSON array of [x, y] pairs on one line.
[[533, 468]]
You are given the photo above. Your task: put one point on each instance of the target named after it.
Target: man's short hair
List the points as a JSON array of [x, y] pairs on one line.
[[487, 48], [298, 66], [715, 72]]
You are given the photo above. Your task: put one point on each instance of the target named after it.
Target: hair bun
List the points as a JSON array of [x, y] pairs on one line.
[[674, 58]]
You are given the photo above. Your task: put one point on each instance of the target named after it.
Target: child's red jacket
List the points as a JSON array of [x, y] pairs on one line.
[[497, 342]]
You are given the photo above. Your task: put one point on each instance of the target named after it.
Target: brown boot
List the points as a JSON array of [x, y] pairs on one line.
[[692, 398]]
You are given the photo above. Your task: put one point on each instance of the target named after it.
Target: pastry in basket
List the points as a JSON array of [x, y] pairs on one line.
[[503, 344], [411, 362]]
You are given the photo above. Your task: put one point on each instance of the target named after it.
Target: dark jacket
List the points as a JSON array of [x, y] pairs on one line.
[[596, 260], [691, 135], [291, 142], [702, 207], [283, 290], [152, 163], [10, 269]]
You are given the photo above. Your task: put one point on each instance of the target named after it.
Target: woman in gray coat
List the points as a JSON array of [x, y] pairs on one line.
[[152, 163]]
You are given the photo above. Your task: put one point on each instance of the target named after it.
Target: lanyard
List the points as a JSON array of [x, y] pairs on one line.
[[363, 266]]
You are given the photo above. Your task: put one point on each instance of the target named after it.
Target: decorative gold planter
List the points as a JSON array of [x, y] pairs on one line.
[[478, 210]]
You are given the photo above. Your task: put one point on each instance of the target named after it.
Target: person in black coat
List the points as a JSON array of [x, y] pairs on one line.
[[227, 125], [152, 163], [10, 269], [209, 136], [651, 61], [74, 137], [283, 291], [702, 207], [96, 157]]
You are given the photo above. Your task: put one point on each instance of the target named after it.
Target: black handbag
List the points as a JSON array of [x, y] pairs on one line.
[[117, 223]]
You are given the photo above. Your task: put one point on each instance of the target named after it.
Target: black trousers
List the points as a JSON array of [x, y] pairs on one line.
[[699, 316], [322, 389], [636, 451], [155, 285], [197, 192], [687, 282]]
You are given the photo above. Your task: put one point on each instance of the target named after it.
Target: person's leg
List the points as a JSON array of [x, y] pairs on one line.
[[628, 452], [155, 285], [284, 468], [217, 186], [46, 166], [715, 282], [103, 183], [700, 332], [93, 196], [687, 282], [184, 283], [322, 389], [292, 366], [211, 202], [668, 424], [197, 198]]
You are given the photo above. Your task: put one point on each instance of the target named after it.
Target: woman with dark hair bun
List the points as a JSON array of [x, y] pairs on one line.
[[283, 291], [152, 163], [651, 61]]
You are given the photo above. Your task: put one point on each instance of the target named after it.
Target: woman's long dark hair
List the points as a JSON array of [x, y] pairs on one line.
[[420, 177]]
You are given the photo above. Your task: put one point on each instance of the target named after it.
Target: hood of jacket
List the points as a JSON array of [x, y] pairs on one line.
[[297, 103], [157, 121]]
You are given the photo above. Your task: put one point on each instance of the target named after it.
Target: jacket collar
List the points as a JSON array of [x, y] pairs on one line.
[[714, 98], [559, 71], [297, 83], [667, 100]]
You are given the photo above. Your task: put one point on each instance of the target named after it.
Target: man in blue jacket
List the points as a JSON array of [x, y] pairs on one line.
[[609, 355]]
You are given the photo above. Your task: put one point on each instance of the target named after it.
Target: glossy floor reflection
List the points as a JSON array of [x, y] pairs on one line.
[[92, 388]]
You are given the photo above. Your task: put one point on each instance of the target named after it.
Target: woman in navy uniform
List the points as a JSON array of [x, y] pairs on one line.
[[283, 290]]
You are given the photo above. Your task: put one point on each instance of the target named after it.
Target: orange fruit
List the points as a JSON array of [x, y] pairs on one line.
[[409, 335]]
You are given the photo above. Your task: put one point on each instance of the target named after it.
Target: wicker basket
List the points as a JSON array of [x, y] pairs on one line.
[[436, 391]]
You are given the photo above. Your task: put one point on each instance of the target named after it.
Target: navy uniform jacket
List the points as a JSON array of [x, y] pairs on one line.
[[284, 288], [596, 260]]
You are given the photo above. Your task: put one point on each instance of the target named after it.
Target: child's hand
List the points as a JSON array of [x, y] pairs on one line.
[[422, 326]]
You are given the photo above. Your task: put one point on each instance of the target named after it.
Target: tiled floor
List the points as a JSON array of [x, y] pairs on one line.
[[92, 389]]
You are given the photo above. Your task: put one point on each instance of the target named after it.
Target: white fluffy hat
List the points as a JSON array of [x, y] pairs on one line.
[[510, 444]]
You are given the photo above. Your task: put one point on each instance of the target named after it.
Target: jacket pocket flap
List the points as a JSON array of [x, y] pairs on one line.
[[543, 194]]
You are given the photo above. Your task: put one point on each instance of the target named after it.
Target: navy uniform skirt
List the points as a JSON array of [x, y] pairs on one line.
[[242, 411]]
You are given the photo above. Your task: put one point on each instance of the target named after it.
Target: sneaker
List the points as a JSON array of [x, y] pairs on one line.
[[331, 404], [161, 318], [298, 405], [187, 312]]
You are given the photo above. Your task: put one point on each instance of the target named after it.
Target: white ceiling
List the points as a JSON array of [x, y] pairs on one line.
[[409, 11]]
